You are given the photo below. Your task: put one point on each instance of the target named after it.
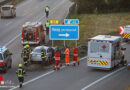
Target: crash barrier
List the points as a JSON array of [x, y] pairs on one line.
[[72, 10], [2, 2]]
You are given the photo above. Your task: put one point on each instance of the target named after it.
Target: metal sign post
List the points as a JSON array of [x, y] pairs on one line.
[[64, 43], [52, 43]]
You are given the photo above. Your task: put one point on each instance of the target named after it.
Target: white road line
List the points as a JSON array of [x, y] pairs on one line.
[[123, 43], [12, 40], [52, 10], [38, 20], [8, 23], [7, 86], [97, 81], [43, 75]]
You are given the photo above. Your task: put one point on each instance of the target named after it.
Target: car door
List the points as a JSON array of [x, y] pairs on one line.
[[6, 58]]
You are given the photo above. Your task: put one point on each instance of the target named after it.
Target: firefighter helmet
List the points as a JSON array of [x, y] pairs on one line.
[[20, 65]]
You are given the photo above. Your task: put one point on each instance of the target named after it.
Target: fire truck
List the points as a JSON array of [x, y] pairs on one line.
[[32, 32], [125, 32], [105, 52]]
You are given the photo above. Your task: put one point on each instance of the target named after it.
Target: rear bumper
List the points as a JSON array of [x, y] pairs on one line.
[[32, 43]]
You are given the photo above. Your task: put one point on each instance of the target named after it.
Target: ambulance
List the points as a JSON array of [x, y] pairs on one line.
[[125, 32], [104, 52], [32, 32]]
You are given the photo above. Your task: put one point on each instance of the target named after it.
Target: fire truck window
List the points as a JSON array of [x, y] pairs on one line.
[[1, 58]]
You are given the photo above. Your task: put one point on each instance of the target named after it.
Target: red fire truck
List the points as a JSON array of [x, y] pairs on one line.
[[32, 32]]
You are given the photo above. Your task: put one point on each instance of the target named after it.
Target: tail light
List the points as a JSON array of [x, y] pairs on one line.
[[22, 35], [37, 35], [30, 55], [2, 63]]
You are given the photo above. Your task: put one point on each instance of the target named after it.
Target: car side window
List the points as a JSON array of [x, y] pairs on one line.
[[49, 50]]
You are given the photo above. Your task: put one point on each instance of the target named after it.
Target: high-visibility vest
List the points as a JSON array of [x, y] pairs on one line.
[[47, 9], [47, 24], [43, 55], [57, 56], [20, 72]]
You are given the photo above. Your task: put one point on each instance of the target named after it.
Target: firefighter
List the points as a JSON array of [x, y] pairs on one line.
[[67, 56], [47, 25], [43, 55], [25, 56], [75, 56], [20, 74], [57, 60], [47, 11]]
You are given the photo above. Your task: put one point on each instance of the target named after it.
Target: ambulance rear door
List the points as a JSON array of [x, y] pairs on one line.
[[99, 54]]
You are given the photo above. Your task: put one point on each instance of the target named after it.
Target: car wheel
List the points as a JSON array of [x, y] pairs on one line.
[[10, 65], [5, 69]]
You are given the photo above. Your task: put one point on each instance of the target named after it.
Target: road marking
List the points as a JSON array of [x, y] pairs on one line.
[[12, 40], [7, 86], [38, 20], [43, 75], [8, 23], [51, 10], [123, 43], [97, 81]]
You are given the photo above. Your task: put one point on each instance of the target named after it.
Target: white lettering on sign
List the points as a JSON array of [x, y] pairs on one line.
[[56, 29]]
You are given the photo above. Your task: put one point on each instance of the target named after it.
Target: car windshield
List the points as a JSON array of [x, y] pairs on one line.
[[5, 8], [37, 50], [1, 58]]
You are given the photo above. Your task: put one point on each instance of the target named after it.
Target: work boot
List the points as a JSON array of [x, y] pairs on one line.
[[78, 63], [74, 64]]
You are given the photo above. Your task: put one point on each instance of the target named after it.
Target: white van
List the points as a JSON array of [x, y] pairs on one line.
[[104, 52], [8, 11]]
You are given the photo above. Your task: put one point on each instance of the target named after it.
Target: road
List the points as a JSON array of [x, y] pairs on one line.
[[68, 78], [82, 78], [30, 10]]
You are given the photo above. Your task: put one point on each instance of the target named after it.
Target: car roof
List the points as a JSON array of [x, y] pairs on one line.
[[7, 6], [2, 49], [39, 47], [105, 38]]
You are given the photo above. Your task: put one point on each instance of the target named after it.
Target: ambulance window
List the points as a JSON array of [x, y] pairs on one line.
[[94, 47], [5, 8], [1, 58]]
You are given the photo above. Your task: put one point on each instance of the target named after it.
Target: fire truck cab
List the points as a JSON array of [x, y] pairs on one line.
[[33, 32], [104, 52], [125, 32]]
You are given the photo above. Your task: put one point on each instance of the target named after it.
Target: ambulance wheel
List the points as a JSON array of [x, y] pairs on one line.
[[125, 40]]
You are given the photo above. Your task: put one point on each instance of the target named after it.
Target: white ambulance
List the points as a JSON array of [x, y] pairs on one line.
[[125, 32], [104, 52]]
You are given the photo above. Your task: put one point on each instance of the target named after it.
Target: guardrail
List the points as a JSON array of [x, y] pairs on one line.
[[2, 2]]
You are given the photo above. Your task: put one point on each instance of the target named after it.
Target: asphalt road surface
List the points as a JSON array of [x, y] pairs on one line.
[[44, 78], [10, 31], [81, 78]]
